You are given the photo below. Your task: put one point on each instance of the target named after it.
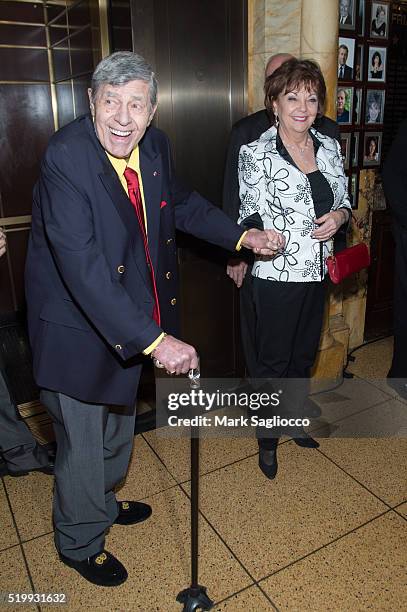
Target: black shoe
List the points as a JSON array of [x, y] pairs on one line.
[[306, 441], [102, 569], [131, 512], [311, 409], [268, 462], [46, 469]]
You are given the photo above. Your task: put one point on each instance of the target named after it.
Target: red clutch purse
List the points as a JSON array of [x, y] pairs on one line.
[[348, 262]]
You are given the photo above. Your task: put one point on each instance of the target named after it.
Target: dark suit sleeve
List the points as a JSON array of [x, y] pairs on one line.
[[70, 229], [231, 200], [395, 176]]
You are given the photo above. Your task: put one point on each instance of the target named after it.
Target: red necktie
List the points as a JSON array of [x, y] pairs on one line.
[[133, 186]]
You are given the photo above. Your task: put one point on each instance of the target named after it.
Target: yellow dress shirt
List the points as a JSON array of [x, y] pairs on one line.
[[120, 166]]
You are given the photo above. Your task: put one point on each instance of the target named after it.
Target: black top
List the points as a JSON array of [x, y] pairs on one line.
[[322, 195]]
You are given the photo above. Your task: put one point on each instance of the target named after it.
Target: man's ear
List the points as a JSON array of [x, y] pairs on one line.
[[152, 113], [91, 104]]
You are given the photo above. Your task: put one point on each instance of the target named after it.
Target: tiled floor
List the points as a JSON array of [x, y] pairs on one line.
[[328, 534]]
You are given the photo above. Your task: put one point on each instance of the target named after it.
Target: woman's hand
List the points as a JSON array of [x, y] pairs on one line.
[[236, 269], [329, 224]]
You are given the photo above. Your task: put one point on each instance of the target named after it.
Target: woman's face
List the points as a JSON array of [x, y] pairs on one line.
[[372, 147], [380, 18], [376, 61], [374, 110], [296, 109]]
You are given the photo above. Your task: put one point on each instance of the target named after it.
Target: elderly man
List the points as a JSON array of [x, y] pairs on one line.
[[101, 290], [244, 131]]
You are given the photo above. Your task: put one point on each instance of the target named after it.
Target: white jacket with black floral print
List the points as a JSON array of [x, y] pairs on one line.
[[281, 194]]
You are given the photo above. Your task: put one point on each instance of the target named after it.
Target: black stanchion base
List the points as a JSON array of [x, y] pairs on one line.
[[195, 598]]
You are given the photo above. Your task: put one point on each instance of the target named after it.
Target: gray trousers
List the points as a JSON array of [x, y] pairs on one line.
[[18, 447], [94, 444]]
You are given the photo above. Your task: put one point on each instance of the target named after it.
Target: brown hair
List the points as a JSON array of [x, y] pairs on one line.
[[291, 75]]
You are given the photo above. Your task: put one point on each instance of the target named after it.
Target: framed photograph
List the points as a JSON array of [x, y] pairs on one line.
[[372, 148], [374, 108], [358, 106], [344, 105], [358, 69], [345, 149], [379, 23], [347, 14], [376, 65], [354, 189], [346, 58], [361, 22], [355, 149]]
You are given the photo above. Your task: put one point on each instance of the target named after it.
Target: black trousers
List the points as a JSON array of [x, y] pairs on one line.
[[399, 364], [289, 322]]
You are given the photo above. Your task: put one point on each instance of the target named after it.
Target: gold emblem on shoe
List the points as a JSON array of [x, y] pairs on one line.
[[100, 559], [125, 506]]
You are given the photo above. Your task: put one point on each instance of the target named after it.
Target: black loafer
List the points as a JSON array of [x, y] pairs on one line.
[[131, 512], [102, 569], [268, 462]]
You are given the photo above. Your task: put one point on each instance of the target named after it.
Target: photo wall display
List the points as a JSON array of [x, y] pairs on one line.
[[361, 92]]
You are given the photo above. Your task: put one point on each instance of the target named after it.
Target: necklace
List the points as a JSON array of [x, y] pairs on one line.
[[301, 150]]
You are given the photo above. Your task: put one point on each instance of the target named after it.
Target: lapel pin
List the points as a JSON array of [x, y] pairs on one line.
[[155, 173]]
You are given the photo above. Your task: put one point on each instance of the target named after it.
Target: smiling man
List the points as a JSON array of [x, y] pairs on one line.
[[101, 287]]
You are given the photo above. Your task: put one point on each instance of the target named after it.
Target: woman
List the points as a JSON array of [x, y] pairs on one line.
[[379, 23], [371, 153], [373, 112], [342, 114], [377, 70], [292, 181]]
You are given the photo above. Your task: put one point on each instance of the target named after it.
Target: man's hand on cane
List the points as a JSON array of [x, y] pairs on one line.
[[175, 356], [3, 245]]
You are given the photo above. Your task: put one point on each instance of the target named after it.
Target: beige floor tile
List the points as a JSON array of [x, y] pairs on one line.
[[146, 474], [353, 396], [250, 600], [379, 464], [373, 360], [214, 452], [31, 501], [14, 577], [8, 533], [156, 554], [363, 571], [269, 524], [402, 509]]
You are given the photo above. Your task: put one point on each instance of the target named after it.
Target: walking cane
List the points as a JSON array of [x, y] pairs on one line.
[[195, 597]]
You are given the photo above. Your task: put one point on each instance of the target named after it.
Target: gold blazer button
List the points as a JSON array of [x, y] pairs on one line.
[[120, 269], [173, 301]]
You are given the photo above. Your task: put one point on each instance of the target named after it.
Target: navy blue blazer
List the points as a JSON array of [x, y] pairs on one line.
[[88, 287]]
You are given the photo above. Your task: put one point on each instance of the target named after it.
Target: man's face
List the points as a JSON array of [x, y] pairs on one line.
[[276, 62], [343, 8], [122, 114], [342, 56]]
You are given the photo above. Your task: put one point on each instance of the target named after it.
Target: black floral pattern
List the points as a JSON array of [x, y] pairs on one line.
[[281, 194]]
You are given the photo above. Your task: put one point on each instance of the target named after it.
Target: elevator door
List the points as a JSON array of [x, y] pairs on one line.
[[198, 50]]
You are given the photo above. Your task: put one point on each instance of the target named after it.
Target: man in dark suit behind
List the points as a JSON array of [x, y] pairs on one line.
[[395, 189], [101, 291], [244, 131]]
